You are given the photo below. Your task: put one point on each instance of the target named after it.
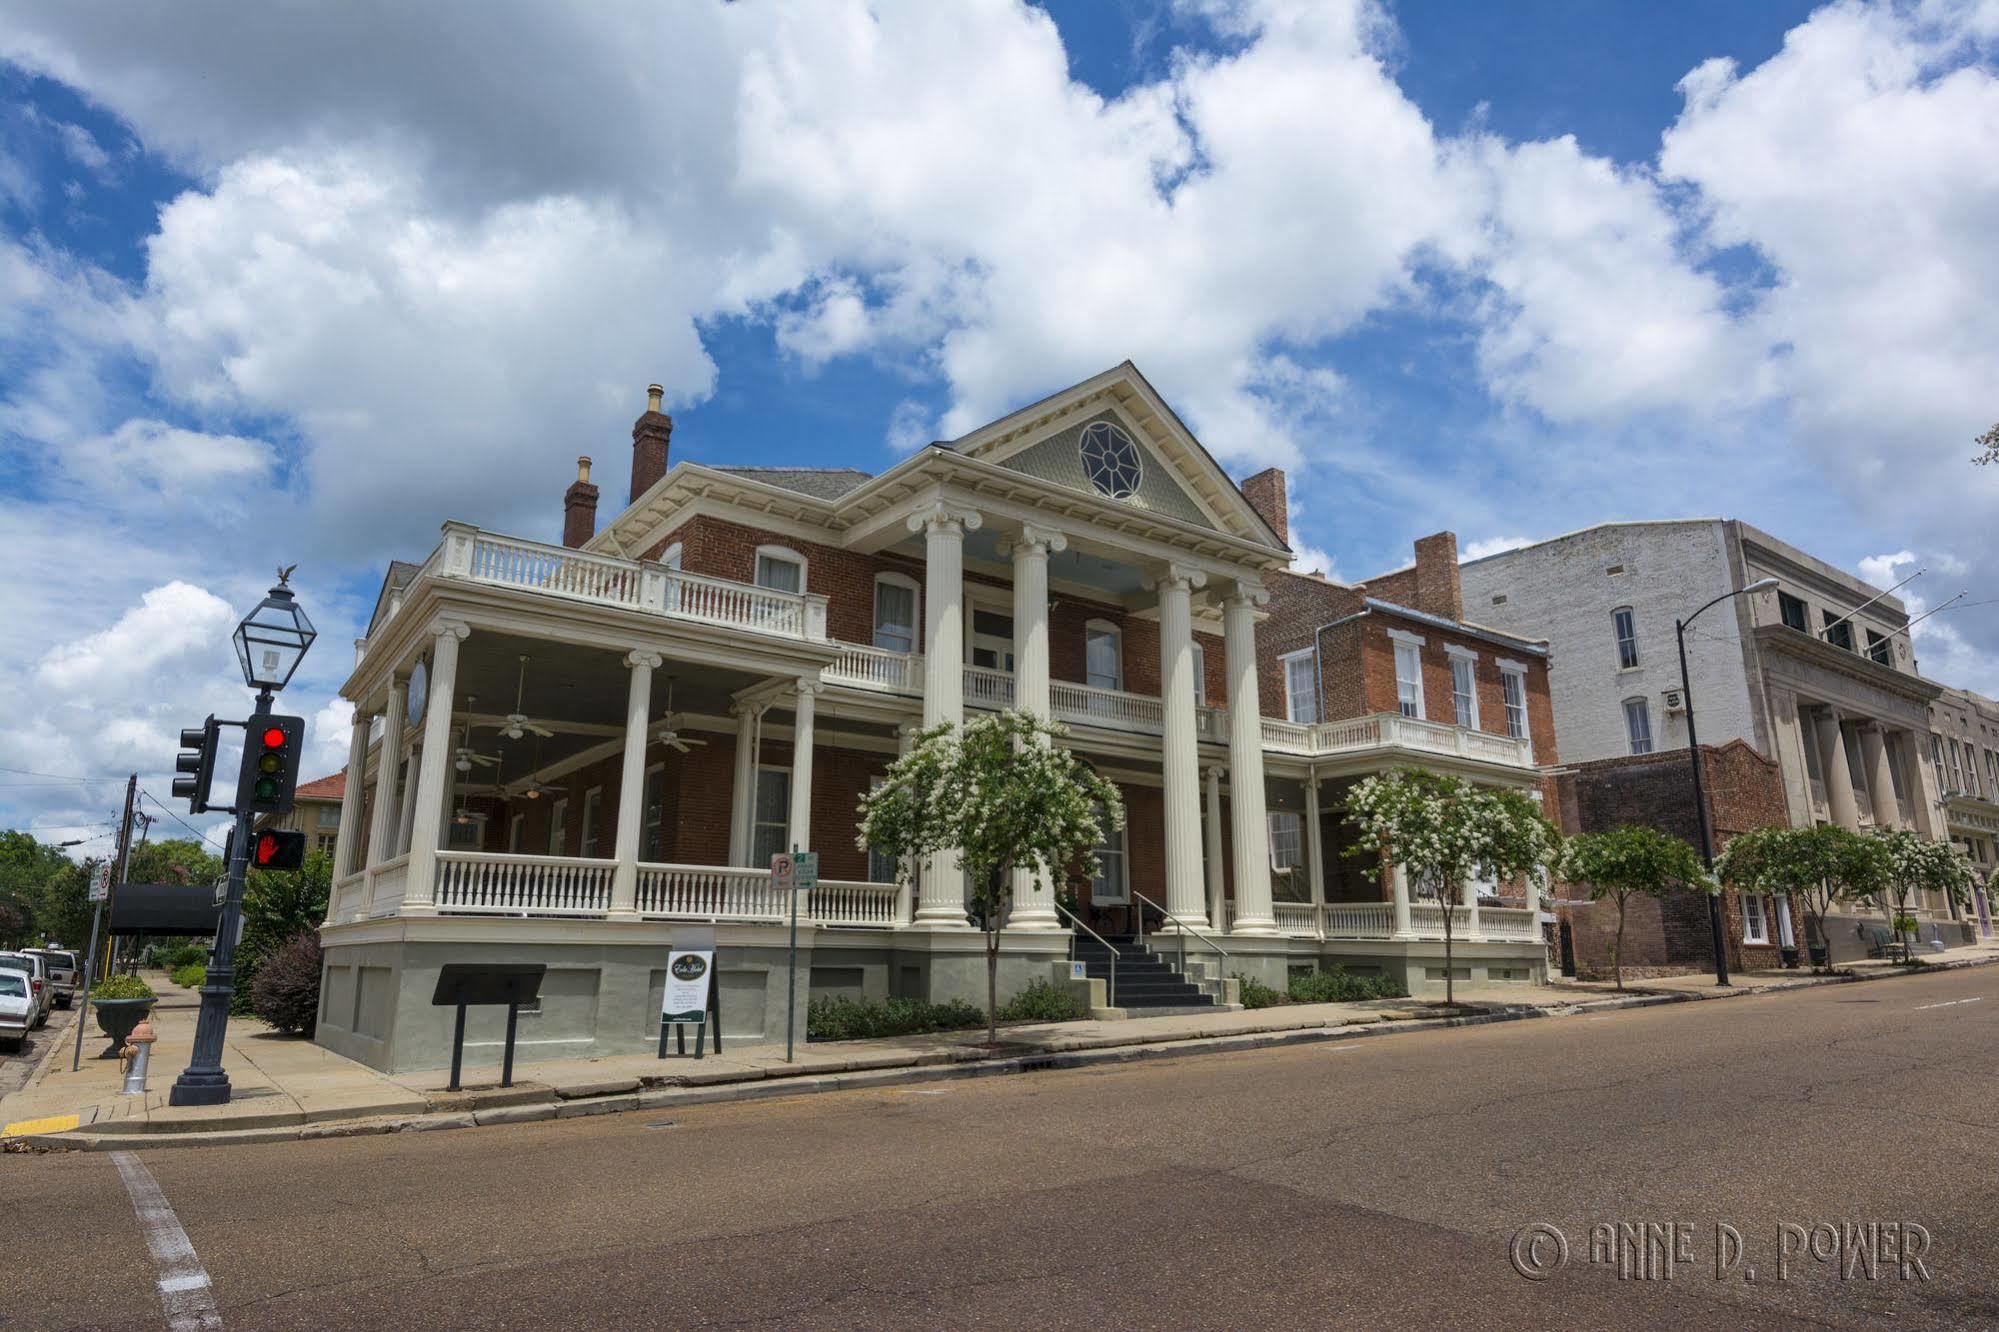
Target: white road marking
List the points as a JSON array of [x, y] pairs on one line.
[[1952, 1003], [186, 1294]]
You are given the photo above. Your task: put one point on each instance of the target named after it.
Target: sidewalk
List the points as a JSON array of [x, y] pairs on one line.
[[286, 1088]]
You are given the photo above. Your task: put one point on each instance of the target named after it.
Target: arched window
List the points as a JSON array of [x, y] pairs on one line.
[[895, 612], [780, 569], [1638, 724]]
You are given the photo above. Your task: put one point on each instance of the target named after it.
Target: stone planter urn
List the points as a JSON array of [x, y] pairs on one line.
[[117, 1017]]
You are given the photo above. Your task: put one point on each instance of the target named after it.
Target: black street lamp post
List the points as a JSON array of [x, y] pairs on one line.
[[270, 643], [1716, 929]]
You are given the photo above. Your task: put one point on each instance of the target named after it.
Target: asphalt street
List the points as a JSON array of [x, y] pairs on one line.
[[1377, 1183], [17, 1067]]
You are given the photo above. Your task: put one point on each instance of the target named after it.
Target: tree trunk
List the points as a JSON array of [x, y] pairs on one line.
[[992, 957], [1450, 985]]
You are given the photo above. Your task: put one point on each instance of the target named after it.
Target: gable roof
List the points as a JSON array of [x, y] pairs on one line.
[[323, 788], [1164, 433], [819, 482]]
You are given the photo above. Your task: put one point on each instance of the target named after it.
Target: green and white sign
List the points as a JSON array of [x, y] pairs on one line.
[[690, 977]]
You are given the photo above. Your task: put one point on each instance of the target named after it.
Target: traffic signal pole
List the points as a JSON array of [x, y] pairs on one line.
[[204, 1081]]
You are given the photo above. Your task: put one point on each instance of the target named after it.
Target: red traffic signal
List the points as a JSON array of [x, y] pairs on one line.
[[271, 746], [278, 849]]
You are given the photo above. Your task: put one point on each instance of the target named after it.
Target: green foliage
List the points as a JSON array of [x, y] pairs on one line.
[[28, 868], [182, 954], [838, 1018], [1255, 994], [278, 906], [286, 991], [189, 975], [1819, 867], [1004, 793], [122, 987], [1630, 860], [1444, 832], [1918, 865], [1906, 924], [1337, 985], [1042, 1002], [174, 860], [1989, 444]]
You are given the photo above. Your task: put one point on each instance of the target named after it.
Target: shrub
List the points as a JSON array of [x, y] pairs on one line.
[[122, 987], [1255, 994], [1340, 986], [1041, 1002], [185, 953], [286, 990], [839, 1018], [190, 975]]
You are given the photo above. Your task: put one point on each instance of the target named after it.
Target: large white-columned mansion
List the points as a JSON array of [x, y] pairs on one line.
[[565, 753]]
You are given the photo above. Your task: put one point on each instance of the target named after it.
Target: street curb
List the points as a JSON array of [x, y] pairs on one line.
[[624, 1095]]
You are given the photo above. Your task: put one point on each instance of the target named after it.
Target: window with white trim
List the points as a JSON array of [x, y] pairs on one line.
[[895, 613], [558, 827], [1103, 655], [1755, 920], [670, 557], [780, 569], [1626, 627], [1301, 687], [1200, 675], [593, 804], [1513, 685], [1409, 678], [1464, 689], [770, 835], [1109, 886], [1287, 845], [1638, 724]]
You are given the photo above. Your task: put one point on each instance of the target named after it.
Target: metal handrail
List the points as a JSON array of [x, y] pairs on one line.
[[1110, 990], [1184, 928]]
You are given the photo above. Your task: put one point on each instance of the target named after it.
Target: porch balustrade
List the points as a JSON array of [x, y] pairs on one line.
[[728, 893], [1376, 920], [516, 885], [385, 886]]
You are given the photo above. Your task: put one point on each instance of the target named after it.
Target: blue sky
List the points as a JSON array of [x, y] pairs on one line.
[[1504, 269]]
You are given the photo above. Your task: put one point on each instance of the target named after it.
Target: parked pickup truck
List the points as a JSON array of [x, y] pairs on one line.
[[64, 975]]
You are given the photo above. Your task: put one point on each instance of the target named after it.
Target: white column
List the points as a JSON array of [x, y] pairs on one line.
[[434, 785], [1246, 806], [632, 784], [742, 799], [803, 706], [1880, 780], [1474, 926], [1033, 896], [943, 528], [411, 781], [1181, 766], [1839, 797], [383, 827], [1315, 855], [905, 874], [347, 849], [1217, 882], [1404, 927]]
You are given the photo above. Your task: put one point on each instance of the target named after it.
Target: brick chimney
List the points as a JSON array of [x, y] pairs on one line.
[[579, 507], [1439, 590], [650, 435], [1265, 493]]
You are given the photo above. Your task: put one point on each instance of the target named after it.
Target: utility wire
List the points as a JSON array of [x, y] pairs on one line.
[[60, 776], [181, 821]]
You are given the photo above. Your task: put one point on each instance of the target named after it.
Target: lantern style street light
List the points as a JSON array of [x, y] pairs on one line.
[[1714, 915], [270, 642], [273, 638]]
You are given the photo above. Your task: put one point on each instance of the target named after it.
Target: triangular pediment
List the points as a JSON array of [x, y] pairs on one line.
[[1078, 439]]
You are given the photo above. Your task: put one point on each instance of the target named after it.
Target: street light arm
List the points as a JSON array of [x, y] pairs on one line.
[[1760, 585]]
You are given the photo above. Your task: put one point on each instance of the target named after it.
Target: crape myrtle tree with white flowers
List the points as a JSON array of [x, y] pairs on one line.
[[1004, 794], [1820, 866], [1918, 865], [1444, 832], [1627, 861]]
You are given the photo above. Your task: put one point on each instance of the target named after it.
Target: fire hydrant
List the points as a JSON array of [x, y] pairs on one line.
[[133, 1057]]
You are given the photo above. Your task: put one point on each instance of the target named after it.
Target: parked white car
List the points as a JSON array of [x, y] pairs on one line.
[[18, 1009], [37, 972], [65, 973]]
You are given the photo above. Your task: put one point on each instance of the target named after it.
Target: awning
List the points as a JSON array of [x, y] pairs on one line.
[[164, 909]]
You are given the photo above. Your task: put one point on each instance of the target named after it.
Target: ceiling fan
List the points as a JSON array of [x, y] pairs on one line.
[[517, 721], [535, 788], [467, 757], [668, 734]]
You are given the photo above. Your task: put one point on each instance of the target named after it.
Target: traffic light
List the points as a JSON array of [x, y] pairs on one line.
[[197, 758], [278, 849], [271, 748]]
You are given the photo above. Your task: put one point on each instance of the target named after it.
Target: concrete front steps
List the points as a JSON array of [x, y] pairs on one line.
[[1147, 985]]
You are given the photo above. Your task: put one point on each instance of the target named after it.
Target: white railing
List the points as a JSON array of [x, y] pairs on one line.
[[695, 596], [1392, 729], [1298, 919], [477, 881], [723, 892], [385, 886], [1288, 736], [988, 688], [1359, 920], [1509, 923], [1110, 708], [865, 667], [1427, 919], [350, 895], [511, 562]]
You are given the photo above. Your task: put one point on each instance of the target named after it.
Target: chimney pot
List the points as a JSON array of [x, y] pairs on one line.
[[651, 435], [583, 468], [579, 507], [654, 394]]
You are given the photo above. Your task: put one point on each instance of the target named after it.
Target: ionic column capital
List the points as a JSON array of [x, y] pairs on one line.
[[1176, 575], [1034, 539], [748, 708], [940, 518], [652, 661], [457, 629], [1247, 593], [809, 686]]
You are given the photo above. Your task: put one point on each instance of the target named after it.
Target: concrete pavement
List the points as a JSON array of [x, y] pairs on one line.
[[1366, 1183]]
